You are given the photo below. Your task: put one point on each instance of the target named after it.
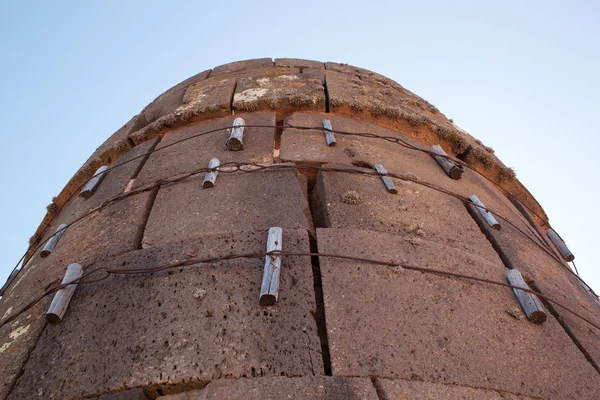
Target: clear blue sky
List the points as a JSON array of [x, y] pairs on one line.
[[520, 76]]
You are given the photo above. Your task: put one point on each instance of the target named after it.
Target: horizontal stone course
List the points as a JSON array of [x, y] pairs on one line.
[[241, 66], [171, 160], [240, 200], [182, 327], [308, 147], [298, 63]]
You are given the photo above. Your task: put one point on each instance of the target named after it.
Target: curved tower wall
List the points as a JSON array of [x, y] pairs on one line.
[[341, 328]]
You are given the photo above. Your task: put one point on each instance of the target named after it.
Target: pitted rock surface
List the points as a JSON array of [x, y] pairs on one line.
[[404, 324], [239, 200], [183, 326], [172, 159]]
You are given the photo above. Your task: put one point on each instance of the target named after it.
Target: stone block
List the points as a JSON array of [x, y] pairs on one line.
[[276, 388], [170, 100], [393, 323], [551, 277], [358, 201], [172, 159], [298, 63], [418, 390], [209, 98], [17, 340], [133, 394], [241, 66], [180, 328], [285, 90], [376, 98], [114, 230], [239, 201], [360, 73], [308, 147]]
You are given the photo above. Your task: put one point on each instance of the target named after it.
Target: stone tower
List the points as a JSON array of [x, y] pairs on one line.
[[362, 322]]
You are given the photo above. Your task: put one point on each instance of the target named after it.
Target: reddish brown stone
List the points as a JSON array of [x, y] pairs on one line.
[[168, 102], [551, 277], [416, 210], [195, 153], [298, 63], [376, 98], [308, 147], [17, 340], [114, 230], [417, 390], [239, 201], [306, 388], [98, 235], [390, 323], [182, 327], [285, 91], [242, 65]]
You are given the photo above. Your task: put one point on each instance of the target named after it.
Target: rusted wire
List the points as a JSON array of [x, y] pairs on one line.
[[392, 139], [107, 272], [232, 167]]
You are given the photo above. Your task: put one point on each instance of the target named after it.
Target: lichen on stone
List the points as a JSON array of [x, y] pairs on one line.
[[351, 197]]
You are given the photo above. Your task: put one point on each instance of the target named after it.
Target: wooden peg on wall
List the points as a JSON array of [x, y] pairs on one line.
[[51, 244], [269, 291], [61, 299], [327, 131], [211, 176], [93, 183], [389, 185], [488, 216], [236, 138], [532, 306], [452, 169]]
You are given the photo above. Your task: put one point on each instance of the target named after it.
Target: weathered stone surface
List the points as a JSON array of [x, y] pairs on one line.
[[379, 96], [112, 185], [116, 145], [239, 201], [168, 102], [550, 277], [298, 63], [344, 200], [180, 328], [418, 390], [285, 91], [308, 147], [17, 340], [209, 98], [306, 388], [195, 153], [114, 230], [390, 323], [242, 65], [361, 73], [133, 394]]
